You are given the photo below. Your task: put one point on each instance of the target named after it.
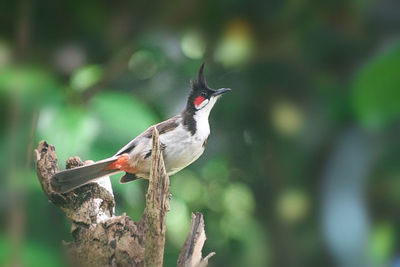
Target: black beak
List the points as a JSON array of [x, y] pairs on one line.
[[221, 91]]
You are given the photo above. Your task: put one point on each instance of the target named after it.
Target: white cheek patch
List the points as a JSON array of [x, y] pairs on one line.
[[202, 104]]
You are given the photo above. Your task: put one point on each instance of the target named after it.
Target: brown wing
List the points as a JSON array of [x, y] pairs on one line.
[[162, 127]]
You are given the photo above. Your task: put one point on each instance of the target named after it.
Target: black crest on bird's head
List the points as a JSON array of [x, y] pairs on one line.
[[200, 83], [199, 89]]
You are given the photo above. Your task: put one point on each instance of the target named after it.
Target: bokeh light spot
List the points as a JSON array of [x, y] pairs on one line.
[[193, 45], [69, 57], [86, 76], [287, 118], [293, 206], [238, 199], [5, 54], [143, 64], [236, 46]]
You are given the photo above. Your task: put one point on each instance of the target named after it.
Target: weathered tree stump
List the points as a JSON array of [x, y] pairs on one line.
[[102, 239]]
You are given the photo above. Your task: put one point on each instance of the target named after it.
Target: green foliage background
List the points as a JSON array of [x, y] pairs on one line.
[[88, 76]]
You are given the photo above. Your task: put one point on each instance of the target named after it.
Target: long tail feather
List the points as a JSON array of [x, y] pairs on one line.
[[67, 180]]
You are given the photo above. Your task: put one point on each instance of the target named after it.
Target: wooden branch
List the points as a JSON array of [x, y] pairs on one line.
[[191, 255], [157, 206]]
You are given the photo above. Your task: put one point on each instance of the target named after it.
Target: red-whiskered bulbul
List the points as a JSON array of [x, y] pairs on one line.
[[183, 139]]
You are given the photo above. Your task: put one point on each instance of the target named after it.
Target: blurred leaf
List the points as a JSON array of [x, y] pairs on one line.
[[133, 196], [187, 185], [86, 76], [382, 243], [31, 254], [24, 180], [376, 93], [70, 130], [35, 254], [254, 251], [216, 170], [178, 222], [121, 115], [5, 250], [31, 85], [214, 197], [22, 79]]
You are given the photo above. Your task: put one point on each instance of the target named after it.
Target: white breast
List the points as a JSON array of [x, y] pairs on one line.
[[181, 148]]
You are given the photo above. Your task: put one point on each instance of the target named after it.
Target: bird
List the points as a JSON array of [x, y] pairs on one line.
[[183, 139]]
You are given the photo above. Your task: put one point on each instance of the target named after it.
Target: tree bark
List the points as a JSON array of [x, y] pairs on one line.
[[157, 206], [99, 237], [191, 252], [102, 239]]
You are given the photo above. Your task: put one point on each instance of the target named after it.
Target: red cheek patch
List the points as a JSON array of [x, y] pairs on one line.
[[198, 101]]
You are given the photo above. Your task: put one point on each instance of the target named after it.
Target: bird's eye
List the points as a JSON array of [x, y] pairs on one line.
[[204, 94]]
